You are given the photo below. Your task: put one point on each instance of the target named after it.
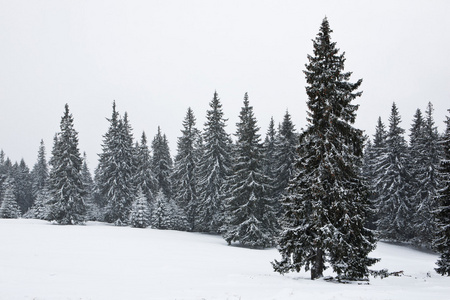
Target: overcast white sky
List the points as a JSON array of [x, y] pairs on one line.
[[157, 58]]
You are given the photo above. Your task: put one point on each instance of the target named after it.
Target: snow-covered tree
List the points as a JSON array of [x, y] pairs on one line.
[[93, 212], [39, 173], [166, 214], [424, 152], [24, 186], [140, 211], [185, 171], [144, 178], [249, 212], [441, 242], [9, 209], [41, 208], [214, 169], [327, 200], [394, 211], [65, 179], [285, 146], [162, 163]]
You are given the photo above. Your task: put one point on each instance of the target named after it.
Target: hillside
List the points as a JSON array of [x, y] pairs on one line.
[[40, 261]]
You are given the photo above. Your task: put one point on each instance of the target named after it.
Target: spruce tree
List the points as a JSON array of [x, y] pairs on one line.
[[65, 179], [9, 209], [185, 171], [425, 162], [162, 163], [93, 211], [394, 207], [214, 169], [327, 200], [140, 212], [441, 241], [39, 173], [24, 186], [285, 145], [145, 178], [250, 214]]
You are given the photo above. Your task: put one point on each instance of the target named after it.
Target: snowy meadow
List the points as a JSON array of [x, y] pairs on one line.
[[39, 260]]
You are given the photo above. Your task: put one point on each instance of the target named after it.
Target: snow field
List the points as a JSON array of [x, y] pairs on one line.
[[39, 260]]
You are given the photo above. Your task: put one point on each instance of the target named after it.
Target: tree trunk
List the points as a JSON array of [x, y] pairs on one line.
[[318, 265]]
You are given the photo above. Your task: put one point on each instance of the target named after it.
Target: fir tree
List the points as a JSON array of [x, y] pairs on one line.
[[214, 169], [185, 171], [9, 209], [394, 190], [250, 214], [286, 144], [24, 187], [140, 212], [93, 211], [145, 178], [326, 204], [41, 208], [65, 180], [162, 163], [441, 241], [40, 170], [425, 159]]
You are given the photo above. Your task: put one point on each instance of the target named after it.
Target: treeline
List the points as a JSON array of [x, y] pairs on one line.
[[316, 194]]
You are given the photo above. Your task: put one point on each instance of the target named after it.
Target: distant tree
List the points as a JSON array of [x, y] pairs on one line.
[[24, 186], [394, 189], [145, 178], [39, 173], [214, 169], [167, 215], [327, 201], [93, 210], [41, 208], [9, 209], [140, 212], [162, 163], [285, 152], [441, 242], [249, 212], [65, 179], [185, 171]]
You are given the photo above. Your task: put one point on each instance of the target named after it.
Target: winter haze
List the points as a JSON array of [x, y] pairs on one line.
[[157, 58]]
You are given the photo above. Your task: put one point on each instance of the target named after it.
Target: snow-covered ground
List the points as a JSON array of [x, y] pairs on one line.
[[39, 261]]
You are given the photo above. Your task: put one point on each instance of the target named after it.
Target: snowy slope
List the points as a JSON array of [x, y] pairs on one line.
[[39, 261]]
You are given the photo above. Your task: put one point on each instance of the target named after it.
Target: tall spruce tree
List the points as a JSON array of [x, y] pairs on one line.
[[425, 158], [394, 209], [326, 205], [250, 214], [65, 179], [24, 186], [185, 171], [214, 169], [162, 163], [441, 241]]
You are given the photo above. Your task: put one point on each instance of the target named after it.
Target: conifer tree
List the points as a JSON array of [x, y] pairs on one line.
[[214, 169], [140, 212], [326, 205], [24, 187], [162, 163], [425, 161], [9, 209], [250, 214], [145, 178], [286, 144], [93, 211], [394, 189], [185, 171], [441, 242], [40, 170], [270, 159], [41, 208], [65, 180]]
